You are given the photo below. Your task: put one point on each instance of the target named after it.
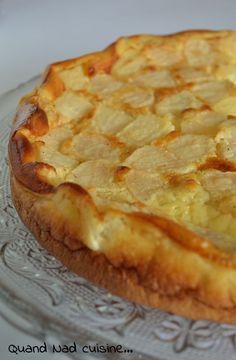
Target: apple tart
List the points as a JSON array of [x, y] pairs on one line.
[[123, 165]]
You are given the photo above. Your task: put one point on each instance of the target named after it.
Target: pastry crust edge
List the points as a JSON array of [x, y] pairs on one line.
[[121, 281]]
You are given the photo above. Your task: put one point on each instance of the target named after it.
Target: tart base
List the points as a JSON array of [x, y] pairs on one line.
[[96, 268]]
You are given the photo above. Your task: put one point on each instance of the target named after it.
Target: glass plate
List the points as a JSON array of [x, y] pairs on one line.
[[55, 304]]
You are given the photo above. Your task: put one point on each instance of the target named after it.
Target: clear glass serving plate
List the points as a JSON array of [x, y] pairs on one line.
[[54, 304]]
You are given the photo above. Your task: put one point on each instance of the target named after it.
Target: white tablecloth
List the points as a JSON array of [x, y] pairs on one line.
[[34, 33]]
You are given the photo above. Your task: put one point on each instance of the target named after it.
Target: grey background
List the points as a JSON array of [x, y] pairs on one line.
[[34, 33]]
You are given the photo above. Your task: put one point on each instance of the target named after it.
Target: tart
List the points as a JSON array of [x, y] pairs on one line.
[[123, 166]]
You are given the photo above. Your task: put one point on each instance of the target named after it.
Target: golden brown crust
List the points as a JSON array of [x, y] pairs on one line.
[[176, 267], [124, 282]]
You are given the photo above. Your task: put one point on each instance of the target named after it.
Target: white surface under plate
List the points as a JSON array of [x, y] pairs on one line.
[[57, 304]]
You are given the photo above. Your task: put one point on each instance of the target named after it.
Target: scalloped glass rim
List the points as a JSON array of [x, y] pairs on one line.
[[57, 303]]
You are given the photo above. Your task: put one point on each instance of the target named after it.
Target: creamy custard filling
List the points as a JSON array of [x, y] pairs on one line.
[[156, 132]]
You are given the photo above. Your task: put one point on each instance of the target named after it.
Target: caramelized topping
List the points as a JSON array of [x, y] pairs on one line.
[[148, 123], [218, 164]]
